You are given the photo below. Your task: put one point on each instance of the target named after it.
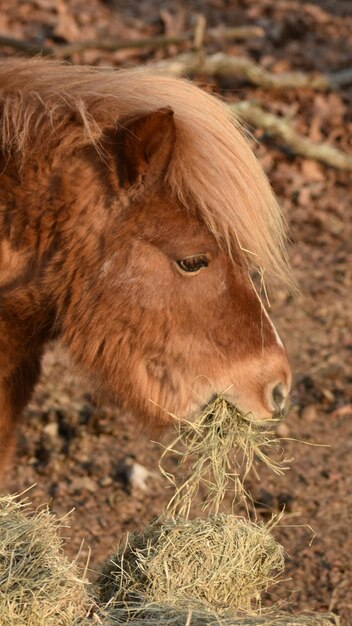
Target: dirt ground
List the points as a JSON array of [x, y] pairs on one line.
[[80, 454]]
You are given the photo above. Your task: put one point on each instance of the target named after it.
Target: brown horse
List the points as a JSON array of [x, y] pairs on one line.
[[131, 211]]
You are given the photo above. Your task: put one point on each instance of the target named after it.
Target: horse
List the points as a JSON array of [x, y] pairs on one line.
[[132, 212]]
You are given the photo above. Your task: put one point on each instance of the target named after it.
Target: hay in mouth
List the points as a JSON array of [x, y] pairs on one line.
[[218, 450]]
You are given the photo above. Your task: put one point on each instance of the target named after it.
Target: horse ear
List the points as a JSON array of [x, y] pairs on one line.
[[144, 146]]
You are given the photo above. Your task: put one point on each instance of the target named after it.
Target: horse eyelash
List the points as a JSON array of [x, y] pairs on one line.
[[202, 259]]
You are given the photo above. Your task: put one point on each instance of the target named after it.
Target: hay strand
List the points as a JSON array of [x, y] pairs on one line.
[[218, 450]]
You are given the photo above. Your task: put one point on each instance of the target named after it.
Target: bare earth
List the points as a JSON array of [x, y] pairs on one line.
[[79, 452]]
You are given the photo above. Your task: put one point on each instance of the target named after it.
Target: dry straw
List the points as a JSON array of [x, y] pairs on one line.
[[159, 615], [221, 563], [177, 572], [218, 450], [202, 572], [39, 586]]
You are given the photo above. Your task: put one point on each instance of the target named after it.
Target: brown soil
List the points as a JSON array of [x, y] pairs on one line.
[[80, 454]]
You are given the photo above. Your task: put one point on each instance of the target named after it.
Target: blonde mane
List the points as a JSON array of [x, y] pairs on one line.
[[212, 168]]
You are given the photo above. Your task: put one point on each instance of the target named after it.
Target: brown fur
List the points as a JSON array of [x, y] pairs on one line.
[[107, 179]]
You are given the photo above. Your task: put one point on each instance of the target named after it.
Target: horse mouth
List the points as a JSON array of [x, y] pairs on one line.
[[277, 416], [206, 405]]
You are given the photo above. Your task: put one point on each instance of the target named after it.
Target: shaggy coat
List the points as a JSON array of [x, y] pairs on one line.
[[131, 210]]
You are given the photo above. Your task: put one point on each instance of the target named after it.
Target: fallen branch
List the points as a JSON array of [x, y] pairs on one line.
[[226, 66], [27, 47], [277, 127], [111, 45], [223, 65], [219, 64]]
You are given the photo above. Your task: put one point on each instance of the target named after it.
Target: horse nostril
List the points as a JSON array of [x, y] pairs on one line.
[[278, 397]]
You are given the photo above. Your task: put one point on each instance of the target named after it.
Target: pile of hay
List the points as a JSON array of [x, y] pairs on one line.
[[178, 571], [222, 563], [39, 586], [218, 450], [203, 572]]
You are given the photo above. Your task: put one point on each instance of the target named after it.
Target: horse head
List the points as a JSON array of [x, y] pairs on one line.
[[175, 317]]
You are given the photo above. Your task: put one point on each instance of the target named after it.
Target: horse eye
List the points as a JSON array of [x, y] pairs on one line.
[[193, 263]]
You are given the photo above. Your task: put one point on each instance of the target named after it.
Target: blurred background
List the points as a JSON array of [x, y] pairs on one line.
[[81, 454]]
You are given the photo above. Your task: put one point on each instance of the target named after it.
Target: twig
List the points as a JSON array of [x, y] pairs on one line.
[[159, 41], [218, 64], [340, 79], [199, 33], [199, 38], [27, 47], [278, 127], [226, 66]]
